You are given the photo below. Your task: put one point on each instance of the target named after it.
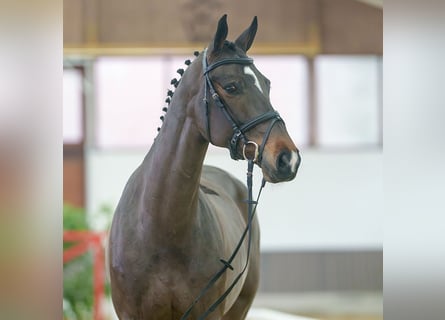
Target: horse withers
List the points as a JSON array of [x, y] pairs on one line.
[[178, 219]]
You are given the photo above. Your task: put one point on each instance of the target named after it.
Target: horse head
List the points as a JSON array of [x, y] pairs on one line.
[[239, 115]]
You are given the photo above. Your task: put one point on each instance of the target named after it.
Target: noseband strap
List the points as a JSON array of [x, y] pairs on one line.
[[271, 115], [239, 131]]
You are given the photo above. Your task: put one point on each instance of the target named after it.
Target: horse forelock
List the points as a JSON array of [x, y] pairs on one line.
[[231, 48], [230, 45]]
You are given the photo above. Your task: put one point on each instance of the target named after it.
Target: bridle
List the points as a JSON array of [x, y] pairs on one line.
[[239, 130], [239, 133]]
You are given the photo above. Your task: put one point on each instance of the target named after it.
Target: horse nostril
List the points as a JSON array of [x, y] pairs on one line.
[[283, 162], [287, 164]]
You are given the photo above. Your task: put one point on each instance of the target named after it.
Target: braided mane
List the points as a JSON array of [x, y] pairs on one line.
[[174, 82]]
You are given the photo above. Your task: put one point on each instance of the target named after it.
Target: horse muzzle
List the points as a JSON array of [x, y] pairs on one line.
[[284, 169]]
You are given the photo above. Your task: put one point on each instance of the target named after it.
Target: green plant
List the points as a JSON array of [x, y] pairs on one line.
[[77, 273], [74, 218]]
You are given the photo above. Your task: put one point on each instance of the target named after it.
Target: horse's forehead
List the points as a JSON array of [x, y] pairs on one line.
[[230, 69], [248, 70]]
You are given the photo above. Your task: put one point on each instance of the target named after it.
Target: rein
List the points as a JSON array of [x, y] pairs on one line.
[[238, 134], [227, 263]]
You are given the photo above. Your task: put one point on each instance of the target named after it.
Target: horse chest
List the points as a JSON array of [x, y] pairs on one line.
[[170, 285]]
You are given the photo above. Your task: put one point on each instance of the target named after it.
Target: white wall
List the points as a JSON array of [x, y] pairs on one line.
[[335, 202]]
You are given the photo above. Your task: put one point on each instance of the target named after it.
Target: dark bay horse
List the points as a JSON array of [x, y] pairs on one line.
[[176, 218]]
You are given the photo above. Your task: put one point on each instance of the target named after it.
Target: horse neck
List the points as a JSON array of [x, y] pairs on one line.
[[172, 168]]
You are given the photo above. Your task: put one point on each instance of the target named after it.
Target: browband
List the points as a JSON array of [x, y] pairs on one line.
[[226, 61]]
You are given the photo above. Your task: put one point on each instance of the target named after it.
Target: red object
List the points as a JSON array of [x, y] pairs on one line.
[[89, 240]]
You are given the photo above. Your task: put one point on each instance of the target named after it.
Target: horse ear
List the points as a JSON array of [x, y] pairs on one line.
[[245, 40], [221, 34]]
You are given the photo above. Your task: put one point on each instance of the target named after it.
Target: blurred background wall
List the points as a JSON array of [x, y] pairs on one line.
[[321, 232]]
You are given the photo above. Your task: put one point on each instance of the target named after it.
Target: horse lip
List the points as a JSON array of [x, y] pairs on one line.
[[270, 175]]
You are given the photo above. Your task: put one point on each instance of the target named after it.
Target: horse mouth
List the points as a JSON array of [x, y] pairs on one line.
[[273, 178], [285, 167]]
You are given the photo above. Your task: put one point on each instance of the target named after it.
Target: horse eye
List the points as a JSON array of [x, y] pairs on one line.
[[231, 88]]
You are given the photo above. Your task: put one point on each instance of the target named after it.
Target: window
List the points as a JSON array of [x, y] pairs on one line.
[[129, 95], [72, 106], [348, 100], [288, 93], [130, 92]]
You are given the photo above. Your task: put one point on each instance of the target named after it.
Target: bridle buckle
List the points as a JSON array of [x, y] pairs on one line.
[[255, 152]]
